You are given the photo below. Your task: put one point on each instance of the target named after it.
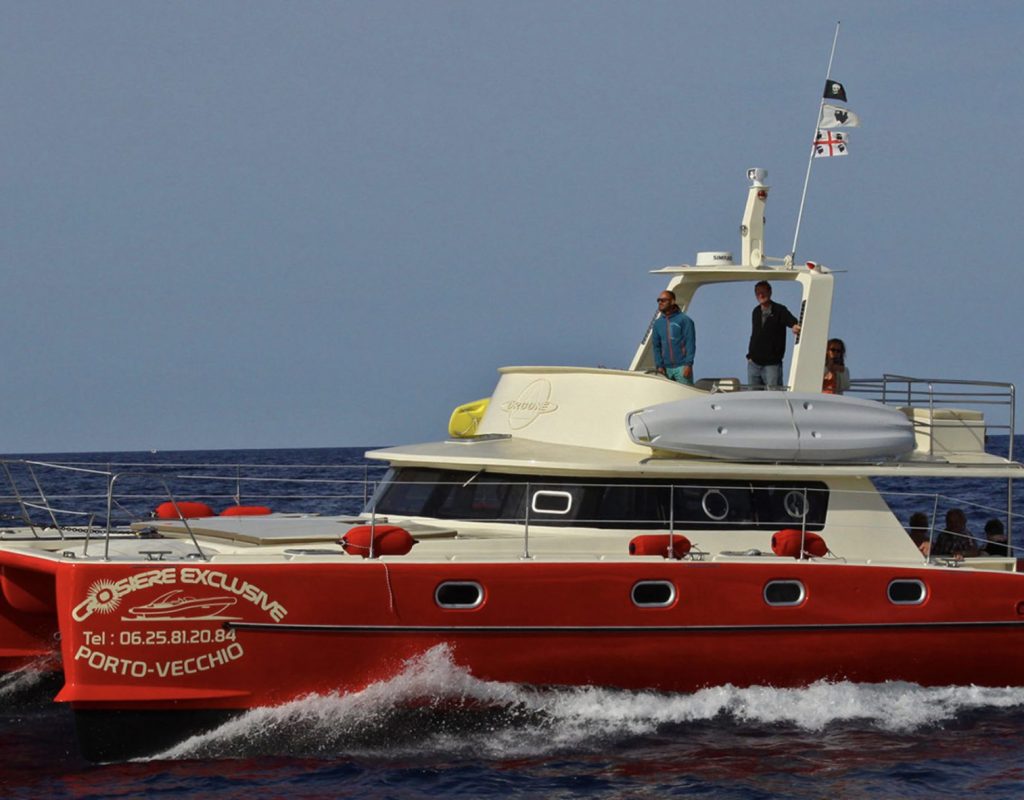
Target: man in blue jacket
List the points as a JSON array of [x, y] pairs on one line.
[[674, 340]]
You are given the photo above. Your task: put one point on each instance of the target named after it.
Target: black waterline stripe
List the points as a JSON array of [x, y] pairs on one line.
[[271, 627]]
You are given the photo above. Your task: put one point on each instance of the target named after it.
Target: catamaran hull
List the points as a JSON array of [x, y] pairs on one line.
[[28, 620], [337, 628]]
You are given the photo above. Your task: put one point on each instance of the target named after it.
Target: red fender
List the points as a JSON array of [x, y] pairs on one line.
[[787, 543], [245, 511], [388, 540], [189, 510], [656, 544]]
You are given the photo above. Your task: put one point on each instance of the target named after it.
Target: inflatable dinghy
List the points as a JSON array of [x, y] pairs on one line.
[[775, 426]]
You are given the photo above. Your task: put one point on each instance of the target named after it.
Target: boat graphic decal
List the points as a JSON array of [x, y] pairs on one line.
[[176, 605], [533, 401]]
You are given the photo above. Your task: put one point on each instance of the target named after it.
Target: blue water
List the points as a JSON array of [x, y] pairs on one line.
[[483, 739]]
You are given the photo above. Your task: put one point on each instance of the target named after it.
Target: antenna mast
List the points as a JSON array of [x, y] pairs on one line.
[[810, 158]]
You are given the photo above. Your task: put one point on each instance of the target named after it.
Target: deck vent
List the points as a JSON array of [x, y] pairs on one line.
[[907, 592], [459, 594], [784, 593], [654, 594]]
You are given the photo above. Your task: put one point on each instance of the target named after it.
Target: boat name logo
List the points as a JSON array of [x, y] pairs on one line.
[[104, 596], [533, 401]]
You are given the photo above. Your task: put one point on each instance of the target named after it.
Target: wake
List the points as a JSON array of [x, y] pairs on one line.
[[435, 708]]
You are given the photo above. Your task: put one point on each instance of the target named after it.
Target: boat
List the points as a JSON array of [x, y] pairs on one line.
[[561, 536]]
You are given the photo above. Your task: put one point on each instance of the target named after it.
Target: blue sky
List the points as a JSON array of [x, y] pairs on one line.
[[251, 224]]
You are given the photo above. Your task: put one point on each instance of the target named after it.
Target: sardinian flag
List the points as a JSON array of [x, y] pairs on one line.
[[828, 143], [837, 117]]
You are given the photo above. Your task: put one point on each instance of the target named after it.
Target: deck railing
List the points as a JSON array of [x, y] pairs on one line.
[[86, 497], [943, 393], [90, 502]]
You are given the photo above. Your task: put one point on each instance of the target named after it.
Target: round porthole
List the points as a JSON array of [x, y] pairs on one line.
[[459, 594], [795, 504], [715, 505]]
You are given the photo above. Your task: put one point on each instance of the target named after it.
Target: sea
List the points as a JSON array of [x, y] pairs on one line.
[[472, 738]]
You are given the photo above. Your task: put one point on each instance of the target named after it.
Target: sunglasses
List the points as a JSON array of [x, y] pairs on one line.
[[664, 299]]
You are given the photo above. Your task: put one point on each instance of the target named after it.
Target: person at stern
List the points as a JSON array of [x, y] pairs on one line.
[[768, 339], [674, 340]]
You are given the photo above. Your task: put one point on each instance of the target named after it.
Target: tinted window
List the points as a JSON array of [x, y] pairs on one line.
[[638, 504]]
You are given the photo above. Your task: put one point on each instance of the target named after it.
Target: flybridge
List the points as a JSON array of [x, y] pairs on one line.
[[715, 267]]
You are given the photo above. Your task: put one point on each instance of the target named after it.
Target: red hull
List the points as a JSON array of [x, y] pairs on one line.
[[321, 628], [28, 620]]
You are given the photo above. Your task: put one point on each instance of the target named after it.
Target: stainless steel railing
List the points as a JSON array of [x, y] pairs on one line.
[[84, 495], [107, 499], [938, 393]]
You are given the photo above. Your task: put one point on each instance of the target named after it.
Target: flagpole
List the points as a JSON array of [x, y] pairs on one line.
[[810, 158]]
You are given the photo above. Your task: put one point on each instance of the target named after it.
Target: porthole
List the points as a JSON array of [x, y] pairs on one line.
[[795, 504], [654, 594], [784, 593], [907, 592], [459, 594], [715, 505], [546, 501]]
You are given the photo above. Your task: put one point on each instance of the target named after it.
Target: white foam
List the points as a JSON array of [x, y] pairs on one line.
[[26, 678], [432, 705]]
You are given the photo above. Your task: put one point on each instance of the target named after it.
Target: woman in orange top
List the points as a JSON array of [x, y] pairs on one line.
[[837, 376]]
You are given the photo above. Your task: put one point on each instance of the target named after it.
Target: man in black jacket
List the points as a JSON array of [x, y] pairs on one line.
[[768, 339]]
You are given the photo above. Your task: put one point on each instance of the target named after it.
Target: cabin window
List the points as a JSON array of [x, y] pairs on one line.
[[634, 505], [784, 593], [654, 594], [459, 594], [408, 489], [907, 592], [551, 502]]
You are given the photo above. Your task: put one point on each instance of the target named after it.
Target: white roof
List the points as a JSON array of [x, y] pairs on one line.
[[520, 455]]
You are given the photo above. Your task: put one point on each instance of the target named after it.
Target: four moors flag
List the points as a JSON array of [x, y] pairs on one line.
[[827, 141]]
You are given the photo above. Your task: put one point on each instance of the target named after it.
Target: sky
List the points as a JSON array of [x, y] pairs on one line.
[[259, 225]]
